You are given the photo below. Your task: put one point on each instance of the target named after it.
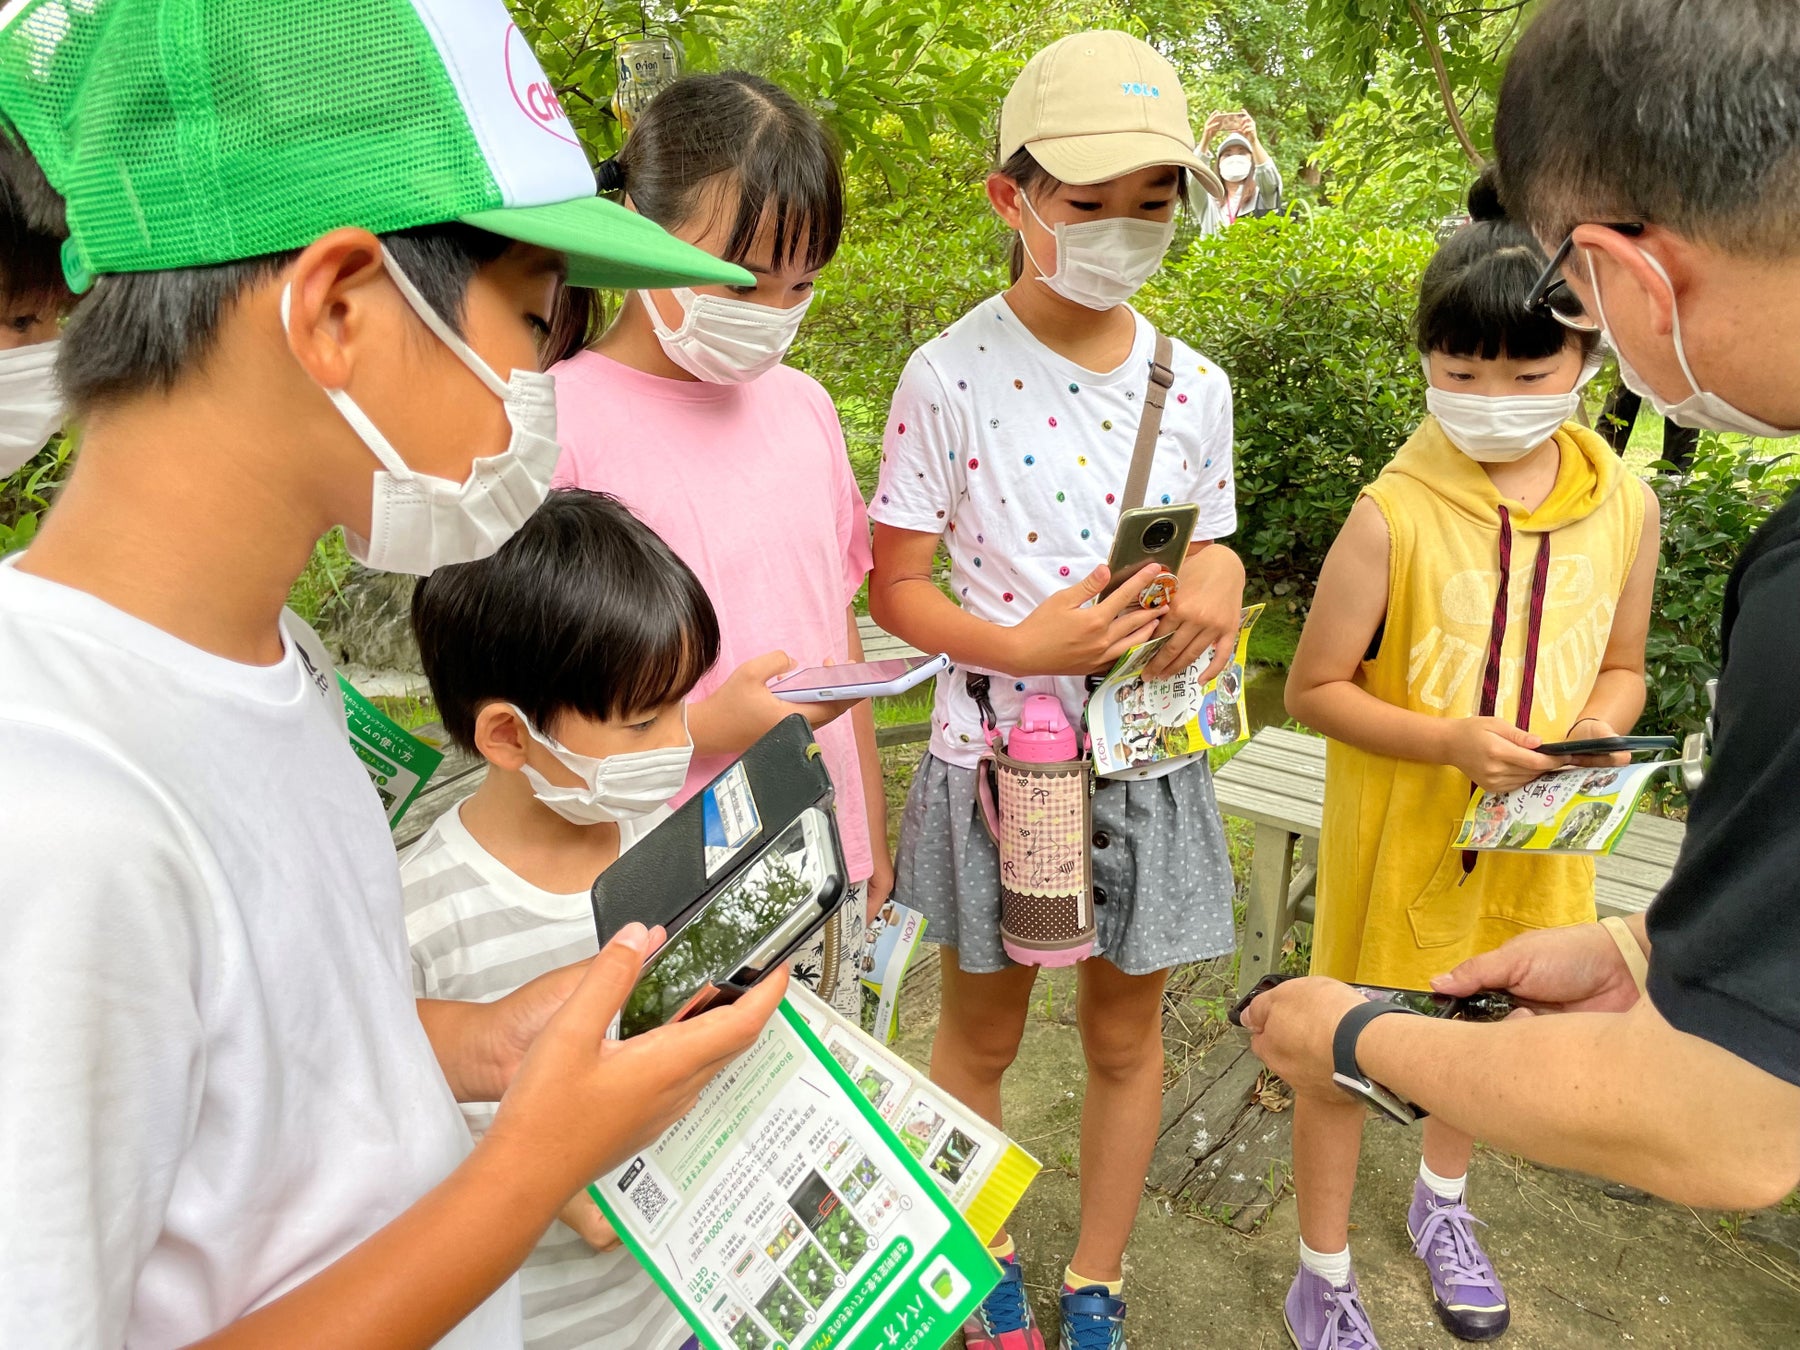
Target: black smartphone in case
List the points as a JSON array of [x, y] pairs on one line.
[[1490, 1005], [739, 878]]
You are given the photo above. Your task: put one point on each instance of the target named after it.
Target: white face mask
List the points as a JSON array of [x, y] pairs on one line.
[[419, 523], [1701, 408], [31, 408], [1234, 168], [723, 340], [619, 787], [1102, 263], [1492, 429]]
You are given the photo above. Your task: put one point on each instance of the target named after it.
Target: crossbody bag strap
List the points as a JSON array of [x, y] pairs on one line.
[[1156, 393]]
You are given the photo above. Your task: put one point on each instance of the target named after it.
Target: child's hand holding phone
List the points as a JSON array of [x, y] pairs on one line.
[[740, 711], [1207, 608], [582, 1104], [1067, 636], [1494, 754]]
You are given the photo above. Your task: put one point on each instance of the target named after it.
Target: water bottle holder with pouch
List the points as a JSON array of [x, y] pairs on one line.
[[1040, 815]]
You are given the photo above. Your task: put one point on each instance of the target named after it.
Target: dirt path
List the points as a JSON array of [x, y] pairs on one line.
[[1583, 1271]]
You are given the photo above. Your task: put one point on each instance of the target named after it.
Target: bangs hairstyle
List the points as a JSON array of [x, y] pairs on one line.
[[749, 135], [584, 610], [1472, 297], [1037, 182]]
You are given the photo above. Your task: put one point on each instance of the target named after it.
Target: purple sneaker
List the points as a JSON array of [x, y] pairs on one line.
[[1320, 1317], [1470, 1302]]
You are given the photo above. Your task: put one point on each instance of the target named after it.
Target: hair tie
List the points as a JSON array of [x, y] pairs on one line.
[[610, 175]]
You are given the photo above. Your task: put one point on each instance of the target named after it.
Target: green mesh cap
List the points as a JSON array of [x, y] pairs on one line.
[[187, 132]]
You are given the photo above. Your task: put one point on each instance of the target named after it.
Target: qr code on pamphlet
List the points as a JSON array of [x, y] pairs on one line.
[[649, 1192]]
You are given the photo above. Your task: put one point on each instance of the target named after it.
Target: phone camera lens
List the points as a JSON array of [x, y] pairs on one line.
[[1158, 533]]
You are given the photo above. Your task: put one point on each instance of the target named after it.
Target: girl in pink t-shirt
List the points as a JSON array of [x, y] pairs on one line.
[[684, 409]]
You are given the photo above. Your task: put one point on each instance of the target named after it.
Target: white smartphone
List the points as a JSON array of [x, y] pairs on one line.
[[870, 679]]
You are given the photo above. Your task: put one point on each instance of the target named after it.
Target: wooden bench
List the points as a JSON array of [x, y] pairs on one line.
[[1277, 782], [881, 645]]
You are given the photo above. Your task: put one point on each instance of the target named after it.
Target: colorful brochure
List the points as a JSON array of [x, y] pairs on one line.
[[982, 1171], [399, 763], [888, 946], [784, 1213], [1136, 722], [1570, 811]]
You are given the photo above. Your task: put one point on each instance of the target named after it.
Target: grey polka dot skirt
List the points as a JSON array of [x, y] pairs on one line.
[[1162, 878]]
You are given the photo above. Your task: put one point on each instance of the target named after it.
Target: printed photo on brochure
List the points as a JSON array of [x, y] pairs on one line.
[[889, 943], [1136, 721], [1570, 811]]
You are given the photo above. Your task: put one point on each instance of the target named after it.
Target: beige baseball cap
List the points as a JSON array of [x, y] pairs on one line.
[[1097, 105]]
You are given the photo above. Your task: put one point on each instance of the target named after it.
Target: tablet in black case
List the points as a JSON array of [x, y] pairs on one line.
[[671, 872]]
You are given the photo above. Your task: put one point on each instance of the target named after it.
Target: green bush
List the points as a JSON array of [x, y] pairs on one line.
[[1309, 317], [1708, 516], [27, 493]]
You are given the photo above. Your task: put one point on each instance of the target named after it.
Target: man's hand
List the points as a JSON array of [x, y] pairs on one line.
[[736, 714], [1067, 636], [584, 1216], [1208, 605], [1494, 754], [1576, 969], [1291, 1027], [581, 1104]]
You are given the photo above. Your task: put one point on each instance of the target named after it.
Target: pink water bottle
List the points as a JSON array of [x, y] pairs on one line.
[[1043, 735], [1047, 915]]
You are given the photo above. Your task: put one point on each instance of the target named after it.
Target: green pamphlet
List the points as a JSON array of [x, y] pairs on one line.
[[399, 763], [783, 1213]]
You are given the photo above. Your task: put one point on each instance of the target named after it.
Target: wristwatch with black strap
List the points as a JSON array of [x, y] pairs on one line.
[[1348, 1074]]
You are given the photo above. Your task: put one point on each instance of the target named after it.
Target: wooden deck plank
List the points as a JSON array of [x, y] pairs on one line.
[[880, 645]]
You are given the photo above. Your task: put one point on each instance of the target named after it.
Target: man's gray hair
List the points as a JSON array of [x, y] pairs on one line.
[[1680, 113]]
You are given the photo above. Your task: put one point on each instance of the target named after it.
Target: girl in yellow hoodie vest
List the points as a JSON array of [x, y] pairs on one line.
[[1489, 593]]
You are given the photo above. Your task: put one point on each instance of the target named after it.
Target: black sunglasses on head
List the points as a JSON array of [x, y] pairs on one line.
[[1550, 295]]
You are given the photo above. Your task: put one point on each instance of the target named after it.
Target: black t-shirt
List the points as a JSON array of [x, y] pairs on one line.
[[1725, 960]]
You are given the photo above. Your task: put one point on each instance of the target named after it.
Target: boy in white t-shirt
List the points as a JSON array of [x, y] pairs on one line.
[[564, 661], [223, 1114]]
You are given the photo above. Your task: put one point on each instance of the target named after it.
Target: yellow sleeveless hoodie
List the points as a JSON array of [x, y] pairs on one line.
[[1394, 905]]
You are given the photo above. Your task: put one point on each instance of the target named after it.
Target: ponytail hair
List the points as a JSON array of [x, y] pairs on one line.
[[1472, 297], [752, 137]]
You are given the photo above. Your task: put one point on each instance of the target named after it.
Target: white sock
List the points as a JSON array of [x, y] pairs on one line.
[[1444, 1188], [1333, 1267]]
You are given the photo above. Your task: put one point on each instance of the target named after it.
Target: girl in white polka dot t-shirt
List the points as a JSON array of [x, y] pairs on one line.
[[1009, 440]]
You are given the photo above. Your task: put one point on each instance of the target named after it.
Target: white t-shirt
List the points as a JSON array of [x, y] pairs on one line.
[[213, 1079], [479, 930], [1017, 456]]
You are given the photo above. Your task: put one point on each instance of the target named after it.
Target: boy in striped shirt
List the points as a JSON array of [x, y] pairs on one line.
[[563, 660]]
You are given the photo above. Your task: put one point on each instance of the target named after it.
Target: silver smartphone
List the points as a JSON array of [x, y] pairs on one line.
[[1151, 534]]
